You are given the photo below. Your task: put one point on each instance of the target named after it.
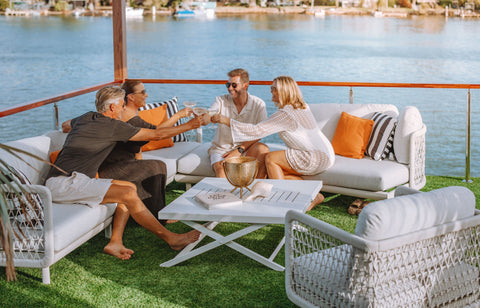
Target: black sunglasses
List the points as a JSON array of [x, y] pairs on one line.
[[233, 84], [141, 92]]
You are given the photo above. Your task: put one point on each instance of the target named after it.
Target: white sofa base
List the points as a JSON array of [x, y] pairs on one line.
[[65, 226]]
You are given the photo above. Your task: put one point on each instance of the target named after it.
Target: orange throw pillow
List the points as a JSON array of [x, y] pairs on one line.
[[53, 159], [53, 156], [156, 116], [351, 136]]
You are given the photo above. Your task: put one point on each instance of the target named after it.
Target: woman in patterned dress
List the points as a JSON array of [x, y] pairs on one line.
[[308, 150]]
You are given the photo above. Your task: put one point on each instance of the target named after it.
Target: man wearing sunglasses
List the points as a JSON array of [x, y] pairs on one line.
[[238, 104]]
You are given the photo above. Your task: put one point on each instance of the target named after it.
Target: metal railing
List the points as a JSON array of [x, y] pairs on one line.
[[54, 99]]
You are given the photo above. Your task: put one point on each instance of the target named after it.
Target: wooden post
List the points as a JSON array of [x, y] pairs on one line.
[[119, 40]]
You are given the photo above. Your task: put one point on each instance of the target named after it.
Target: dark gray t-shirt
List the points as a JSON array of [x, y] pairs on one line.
[[126, 150], [92, 138]]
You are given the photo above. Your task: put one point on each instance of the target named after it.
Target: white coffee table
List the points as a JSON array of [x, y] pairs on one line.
[[286, 195]]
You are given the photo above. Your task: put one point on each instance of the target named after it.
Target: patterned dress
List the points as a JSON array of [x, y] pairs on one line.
[[308, 151]]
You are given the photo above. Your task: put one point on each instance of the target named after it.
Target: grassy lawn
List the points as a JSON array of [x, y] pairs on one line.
[[219, 278]]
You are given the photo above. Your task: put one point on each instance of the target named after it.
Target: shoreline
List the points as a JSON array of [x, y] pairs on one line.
[[316, 11]]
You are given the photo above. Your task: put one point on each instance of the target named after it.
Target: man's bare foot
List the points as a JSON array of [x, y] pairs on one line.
[[318, 199], [171, 221], [181, 240], [118, 250]]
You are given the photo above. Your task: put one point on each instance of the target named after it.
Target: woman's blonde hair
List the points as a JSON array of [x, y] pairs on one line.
[[289, 93]]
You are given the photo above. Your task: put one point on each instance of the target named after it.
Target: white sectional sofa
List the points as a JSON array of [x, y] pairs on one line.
[[364, 177], [188, 162], [414, 250]]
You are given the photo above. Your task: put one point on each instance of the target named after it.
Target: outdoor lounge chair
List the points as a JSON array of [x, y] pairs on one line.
[[414, 250]]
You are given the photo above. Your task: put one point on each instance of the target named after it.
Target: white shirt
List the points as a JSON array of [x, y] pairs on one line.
[[253, 112]]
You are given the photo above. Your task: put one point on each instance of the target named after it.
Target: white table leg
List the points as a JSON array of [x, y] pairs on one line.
[[223, 240], [277, 250], [209, 225]]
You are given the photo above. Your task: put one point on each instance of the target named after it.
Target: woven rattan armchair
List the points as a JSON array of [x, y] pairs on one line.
[[431, 262]]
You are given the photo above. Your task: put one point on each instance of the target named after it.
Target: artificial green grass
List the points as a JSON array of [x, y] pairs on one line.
[[219, 278]]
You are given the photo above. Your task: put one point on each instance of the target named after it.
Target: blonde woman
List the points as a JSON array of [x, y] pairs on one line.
[[308, 151]]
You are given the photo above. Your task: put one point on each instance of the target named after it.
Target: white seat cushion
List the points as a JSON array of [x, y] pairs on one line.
[[197, 162], [363, 174], [71, 221], [170, 155], [405, 214]]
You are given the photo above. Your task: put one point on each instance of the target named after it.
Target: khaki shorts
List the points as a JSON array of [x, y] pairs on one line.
[[78, 188], [215, 157]]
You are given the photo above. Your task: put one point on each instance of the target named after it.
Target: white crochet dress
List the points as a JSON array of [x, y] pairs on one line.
[[308, 150]]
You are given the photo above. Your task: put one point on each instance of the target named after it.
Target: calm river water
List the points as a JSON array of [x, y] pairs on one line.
[[45, 56]]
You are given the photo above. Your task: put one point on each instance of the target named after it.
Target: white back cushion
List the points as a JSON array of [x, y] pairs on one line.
[[401, 215], [57, 139], [327, 115], [35, 170]]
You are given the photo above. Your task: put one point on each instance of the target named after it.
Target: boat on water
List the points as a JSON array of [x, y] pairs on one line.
[[24, 8], [196, 9], [78, 12], [131, 12]]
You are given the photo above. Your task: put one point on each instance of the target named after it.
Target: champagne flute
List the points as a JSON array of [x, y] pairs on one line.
[[199, 111], [189, 104], [211, 113]]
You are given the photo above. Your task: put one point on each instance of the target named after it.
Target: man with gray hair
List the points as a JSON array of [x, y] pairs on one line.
[[90, 141]]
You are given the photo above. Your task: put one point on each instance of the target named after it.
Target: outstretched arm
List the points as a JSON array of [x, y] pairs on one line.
[[221, 119], [185, 112], [145, 134]]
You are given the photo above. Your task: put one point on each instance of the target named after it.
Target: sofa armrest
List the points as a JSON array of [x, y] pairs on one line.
[[199, 134], [319, 261], [35, 244], [417, 159], [325, 266]]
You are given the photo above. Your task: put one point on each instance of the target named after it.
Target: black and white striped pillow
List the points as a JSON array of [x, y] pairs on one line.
[[380, 144], [172, 108]]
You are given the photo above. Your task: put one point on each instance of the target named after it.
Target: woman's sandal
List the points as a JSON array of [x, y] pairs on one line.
[[357, 206]]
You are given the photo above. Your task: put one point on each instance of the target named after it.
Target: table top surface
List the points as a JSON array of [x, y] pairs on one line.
[[285, 195]]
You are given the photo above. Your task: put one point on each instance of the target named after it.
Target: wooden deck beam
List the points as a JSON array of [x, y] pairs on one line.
[[119, 40]]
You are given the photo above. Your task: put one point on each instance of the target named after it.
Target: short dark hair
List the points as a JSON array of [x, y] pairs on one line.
[[244, 77], [128, 86]]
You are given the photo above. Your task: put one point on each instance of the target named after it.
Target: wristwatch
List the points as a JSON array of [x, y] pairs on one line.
[[240, 150]]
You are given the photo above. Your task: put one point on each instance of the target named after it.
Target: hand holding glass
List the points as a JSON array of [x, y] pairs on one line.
[[212, 112], [189, 104]]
